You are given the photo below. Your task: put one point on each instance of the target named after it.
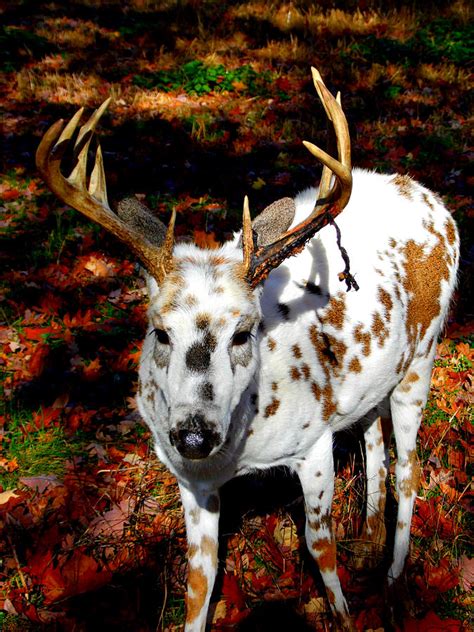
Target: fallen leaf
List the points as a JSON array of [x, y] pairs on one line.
[[432, 623], [7, 495], [466, 568]]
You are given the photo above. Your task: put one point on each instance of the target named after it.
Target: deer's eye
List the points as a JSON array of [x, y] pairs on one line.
[[240, 338], [162, 336]]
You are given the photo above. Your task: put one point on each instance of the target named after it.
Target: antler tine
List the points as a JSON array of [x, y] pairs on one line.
[[330, 202], [247, 236], [326, 175], [341, 167], [92, 201], [98, 184], [81, 146]]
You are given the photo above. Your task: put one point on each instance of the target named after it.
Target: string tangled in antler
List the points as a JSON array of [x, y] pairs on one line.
[[345, 275]]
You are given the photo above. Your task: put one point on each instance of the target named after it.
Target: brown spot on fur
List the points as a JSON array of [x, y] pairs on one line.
[[362, 338], [271, 343], [450, 231], [203, 321], [386, 300], [408, 380], [355, 365], [274, 386], [334, 313], [325, 553], [190, 300], [195, 515], [197, 582], [409, 486], [400, 364], [218, 260], [378, 329], [397, 292], [296, 351], [392, 242], [324, 522], [330, 351], [304, 426], [209, 547], [306, 371], [295, 373], [316, 390], [272, 408], [424, 272], [429, 347], [405, 185], [218, 289], [329, 406], [427, 201]]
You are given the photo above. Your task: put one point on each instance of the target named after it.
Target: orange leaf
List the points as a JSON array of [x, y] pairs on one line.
[[9, 465], [456, 458], [99, 267]]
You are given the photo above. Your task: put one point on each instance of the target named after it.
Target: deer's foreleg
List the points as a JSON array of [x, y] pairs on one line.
[[201, 512], [316, 474]]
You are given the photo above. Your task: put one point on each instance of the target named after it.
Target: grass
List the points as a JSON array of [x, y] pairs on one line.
[[35, 451]]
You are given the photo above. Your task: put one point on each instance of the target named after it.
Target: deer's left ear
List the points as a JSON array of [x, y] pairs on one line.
[[273, 221], [139, 217]]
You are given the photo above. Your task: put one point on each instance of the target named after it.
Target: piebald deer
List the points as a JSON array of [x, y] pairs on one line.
[[256, 354]]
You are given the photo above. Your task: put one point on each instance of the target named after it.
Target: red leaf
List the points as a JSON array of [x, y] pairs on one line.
[[432, 623], [37, 333], [231, 591], [430, 519], [66, 577], [38, 358], [442, 577]]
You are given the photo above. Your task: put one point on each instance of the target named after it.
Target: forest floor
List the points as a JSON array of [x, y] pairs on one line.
[[210, 102]]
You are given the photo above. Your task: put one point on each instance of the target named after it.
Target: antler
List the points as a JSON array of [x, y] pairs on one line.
[[260, 262], [92, 200]]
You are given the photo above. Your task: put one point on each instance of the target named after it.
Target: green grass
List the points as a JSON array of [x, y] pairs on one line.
[[197, 78], [37, 452]]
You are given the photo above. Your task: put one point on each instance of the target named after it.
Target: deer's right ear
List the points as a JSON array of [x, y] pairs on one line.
[[139, 217]]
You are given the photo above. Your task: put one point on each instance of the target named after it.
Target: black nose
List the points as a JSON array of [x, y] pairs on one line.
[[193, 439]]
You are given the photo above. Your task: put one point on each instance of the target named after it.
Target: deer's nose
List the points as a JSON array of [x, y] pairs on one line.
[[193, 438]]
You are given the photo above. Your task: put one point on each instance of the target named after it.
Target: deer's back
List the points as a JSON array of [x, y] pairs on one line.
[[328, 355]]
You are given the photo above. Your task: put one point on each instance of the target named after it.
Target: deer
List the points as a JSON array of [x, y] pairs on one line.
[[256, 354]]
